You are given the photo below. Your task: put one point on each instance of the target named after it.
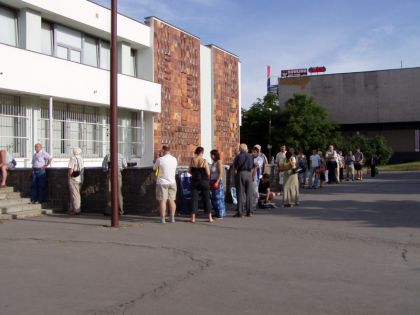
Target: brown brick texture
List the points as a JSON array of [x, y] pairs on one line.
[[226, 103], [177, 69]]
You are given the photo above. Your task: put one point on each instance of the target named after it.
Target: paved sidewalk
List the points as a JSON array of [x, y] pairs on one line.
[[352, 248]]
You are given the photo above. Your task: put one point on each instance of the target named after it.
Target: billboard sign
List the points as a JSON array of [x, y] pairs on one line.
[[294, 73], [317, 69]]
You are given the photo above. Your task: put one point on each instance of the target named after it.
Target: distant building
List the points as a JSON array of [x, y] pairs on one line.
[[54, 85], [385, 102]]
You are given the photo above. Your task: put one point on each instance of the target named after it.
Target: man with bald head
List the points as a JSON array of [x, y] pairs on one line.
[[242, 166]]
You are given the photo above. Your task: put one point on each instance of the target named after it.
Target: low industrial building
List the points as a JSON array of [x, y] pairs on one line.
[[385, 102]]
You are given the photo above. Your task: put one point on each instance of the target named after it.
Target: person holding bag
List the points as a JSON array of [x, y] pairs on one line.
[[200, 171], [216, 185], [75, 180]]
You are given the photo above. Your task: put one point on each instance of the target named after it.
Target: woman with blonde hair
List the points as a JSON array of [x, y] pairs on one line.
[[291, 182], [75, 180]]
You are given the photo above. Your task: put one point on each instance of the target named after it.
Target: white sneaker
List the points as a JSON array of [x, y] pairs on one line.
[[162, 220]]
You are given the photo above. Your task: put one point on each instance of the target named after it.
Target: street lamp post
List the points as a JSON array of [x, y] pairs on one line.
[[269, 135]]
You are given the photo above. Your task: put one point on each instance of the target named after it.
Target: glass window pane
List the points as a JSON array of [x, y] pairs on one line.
[[68, 37], [62, 52], [7, 27], [105, 55], [46, 38], [75, 55], [90, 52], [133, 63]]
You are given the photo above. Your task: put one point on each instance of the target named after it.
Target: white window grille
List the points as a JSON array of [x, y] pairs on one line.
[[14, 125], [82, 126]]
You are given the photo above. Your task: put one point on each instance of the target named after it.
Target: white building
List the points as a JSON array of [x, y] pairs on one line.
[[54, 81]]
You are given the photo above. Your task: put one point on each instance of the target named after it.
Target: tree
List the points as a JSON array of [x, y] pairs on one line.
[[255, 122], [307, 125], [376, 145]]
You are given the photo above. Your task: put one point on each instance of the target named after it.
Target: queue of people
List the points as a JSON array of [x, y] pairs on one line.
[[250, 169]]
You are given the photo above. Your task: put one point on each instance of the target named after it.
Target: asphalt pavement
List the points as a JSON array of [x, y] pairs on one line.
[[352, 248]]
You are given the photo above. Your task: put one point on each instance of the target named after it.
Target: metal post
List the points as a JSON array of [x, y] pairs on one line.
[[50, 125], [269, 136], [114, 117]]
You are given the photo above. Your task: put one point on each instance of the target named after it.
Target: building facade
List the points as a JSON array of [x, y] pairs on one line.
[[385, 102], [54, 84]]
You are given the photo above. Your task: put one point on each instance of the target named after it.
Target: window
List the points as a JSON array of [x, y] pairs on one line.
[[105, 55], [90, 51], [68, 43], [8, 26], [133, 63], [14, 122], [47, 38]]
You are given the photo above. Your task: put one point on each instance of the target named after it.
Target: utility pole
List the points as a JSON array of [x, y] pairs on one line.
[[269, 135], [114, 117]]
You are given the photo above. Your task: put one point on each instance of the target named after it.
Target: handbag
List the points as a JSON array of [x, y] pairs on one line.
[[298, 170], [76, 173], [213, 185], [320, 170]]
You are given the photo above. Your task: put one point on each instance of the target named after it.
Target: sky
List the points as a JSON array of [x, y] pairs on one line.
[[342, 35]]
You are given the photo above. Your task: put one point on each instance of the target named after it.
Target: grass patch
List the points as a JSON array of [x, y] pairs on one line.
[[412, 166]]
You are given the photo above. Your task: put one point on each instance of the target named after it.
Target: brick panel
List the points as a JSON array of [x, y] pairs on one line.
[[177, 69], [226, 103]]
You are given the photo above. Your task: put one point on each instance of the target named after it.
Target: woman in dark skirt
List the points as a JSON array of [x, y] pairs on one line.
[[200, 171]]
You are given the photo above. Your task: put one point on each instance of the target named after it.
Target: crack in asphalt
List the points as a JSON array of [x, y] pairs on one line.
[[202, 264]]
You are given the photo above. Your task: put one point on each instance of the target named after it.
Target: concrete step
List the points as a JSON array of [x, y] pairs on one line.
[[30, 213], [15, 201], [23, 207], [5, 217], [10, 195], [7, 189]]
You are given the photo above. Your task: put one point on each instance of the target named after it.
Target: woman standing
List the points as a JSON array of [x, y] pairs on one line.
[[200, 171], [216, 185], [75, 179], [291, 182], [322, 168]]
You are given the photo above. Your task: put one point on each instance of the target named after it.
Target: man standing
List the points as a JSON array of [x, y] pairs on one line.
[[315, 163], [40, 161], [331, 157], [165, 167], [280, 160], [243, 165], [358, 162], [106, 166], [257, 172]]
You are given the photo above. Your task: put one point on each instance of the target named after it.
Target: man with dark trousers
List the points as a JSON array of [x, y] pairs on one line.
[[243, 165]]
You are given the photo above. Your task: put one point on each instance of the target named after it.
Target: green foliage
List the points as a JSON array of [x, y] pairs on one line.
[[255, 121], [305, 125], [369, 146], [308, 125]]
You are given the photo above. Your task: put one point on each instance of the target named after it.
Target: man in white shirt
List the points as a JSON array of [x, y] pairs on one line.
[[315, 163], [331, 157], [280, 160], [257, 172], [165, 167], [40, 161]]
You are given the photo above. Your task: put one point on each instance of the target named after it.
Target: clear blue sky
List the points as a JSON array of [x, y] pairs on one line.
[[343, 35]]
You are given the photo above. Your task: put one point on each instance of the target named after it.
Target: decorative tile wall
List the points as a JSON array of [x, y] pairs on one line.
[[177, 69], [226, 103]]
